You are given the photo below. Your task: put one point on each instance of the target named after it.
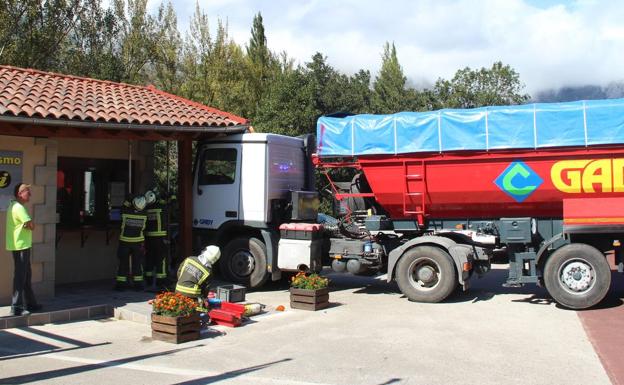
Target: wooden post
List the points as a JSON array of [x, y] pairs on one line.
[[185, 191]]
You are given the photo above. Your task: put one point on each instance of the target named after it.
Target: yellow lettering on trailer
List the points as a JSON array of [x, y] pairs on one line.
[[618, 175], [583, 176], [566, 175], [598, 172]]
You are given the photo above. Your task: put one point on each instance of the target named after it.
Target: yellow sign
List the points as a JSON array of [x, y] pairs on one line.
[[5, 179], [10, 160], [10, 175], [588, 176]]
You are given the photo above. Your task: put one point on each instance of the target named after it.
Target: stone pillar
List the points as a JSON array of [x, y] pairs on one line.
[[44, 246]]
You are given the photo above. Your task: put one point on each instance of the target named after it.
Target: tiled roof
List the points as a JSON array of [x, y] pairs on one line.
[[36, 94]]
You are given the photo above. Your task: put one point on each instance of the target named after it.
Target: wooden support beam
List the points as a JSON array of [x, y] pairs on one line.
[[185, 195], [93, 133]]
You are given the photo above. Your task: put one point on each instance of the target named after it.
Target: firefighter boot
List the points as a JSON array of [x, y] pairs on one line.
[[138, 284], [121, 283]]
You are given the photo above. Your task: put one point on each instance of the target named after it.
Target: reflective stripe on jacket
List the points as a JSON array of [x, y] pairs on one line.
[[192, 275], [132, 225], [156, 225]]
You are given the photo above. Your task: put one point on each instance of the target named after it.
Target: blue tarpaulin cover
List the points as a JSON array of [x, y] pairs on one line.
[[540, 125]]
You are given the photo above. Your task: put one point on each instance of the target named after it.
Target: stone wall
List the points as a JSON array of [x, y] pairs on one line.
[[70, 262], [39, 169]]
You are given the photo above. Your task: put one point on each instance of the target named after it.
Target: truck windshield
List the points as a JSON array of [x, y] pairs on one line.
[[218, 166]]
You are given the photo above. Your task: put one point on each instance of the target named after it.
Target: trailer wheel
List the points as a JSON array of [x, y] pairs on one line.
[[577, 276], [244, 262], [426, 274]]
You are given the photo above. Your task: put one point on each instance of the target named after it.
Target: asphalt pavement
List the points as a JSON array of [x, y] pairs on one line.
[[370, 334]]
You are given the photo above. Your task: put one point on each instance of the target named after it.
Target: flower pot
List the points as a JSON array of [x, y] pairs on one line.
[[309, 299], [176, 329]]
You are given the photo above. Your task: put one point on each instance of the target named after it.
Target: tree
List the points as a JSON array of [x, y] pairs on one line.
[[214, 70], [138, 39], [257, 50], [166, 72], [92, 47], [336, 92], [288, 106], [499, 85], [32, 32], [262, 65], [390, 95], [298, 97]]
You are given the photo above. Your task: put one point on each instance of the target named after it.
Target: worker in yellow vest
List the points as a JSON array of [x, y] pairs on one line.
[[155, 239], [130, 247], [194, 272]]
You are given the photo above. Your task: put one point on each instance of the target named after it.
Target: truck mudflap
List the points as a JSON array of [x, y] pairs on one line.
[[460, 253], [270, 240]]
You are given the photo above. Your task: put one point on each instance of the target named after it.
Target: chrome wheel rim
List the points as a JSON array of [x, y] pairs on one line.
[[577, 276]]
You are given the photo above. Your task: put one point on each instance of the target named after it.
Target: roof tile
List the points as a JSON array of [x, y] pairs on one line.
[[33, 93]]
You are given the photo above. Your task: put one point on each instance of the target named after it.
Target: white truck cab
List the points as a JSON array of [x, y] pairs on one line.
[[242, 192]]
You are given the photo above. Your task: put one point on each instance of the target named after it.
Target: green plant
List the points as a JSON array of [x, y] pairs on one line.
[[310, 282], [173, 304]]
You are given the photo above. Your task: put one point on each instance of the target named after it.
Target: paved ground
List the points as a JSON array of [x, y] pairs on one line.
[[604, 326], [371, 335]]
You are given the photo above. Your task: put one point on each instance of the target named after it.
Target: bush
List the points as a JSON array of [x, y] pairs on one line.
[[310, 282], [173, 304]]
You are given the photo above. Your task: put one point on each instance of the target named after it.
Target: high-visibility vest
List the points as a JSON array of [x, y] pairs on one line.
[[192, 275], [156, 220], [132, 224]]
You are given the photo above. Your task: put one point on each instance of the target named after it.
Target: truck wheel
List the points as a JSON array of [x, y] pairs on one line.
[[244, 262], [577, 276], [426, 274]]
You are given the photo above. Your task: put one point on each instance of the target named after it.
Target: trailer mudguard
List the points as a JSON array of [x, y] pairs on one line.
[[556, 242], [459, 252]]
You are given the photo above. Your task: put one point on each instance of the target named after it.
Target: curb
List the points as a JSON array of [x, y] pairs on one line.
[[59, 316]]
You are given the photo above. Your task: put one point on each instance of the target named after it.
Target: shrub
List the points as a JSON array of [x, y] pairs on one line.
[[173, 304], [311, 282]]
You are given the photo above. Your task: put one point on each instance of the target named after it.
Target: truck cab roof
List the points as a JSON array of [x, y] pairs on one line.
[[258, 138]]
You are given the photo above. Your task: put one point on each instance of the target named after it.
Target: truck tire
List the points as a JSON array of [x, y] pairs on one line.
[[577, 276], [426, 274], [244, 262]]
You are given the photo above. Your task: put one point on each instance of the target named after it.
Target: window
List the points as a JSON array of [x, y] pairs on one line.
[[218, 166], [89, 191]]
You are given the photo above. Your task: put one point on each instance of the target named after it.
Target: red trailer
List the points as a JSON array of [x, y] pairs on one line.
[[434, 219], [492, 185]]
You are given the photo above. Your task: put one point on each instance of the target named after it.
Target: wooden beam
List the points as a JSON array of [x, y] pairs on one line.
[[94, 133], [185, 195]]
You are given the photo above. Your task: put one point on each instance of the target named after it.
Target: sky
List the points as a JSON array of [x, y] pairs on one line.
[[550, 43]]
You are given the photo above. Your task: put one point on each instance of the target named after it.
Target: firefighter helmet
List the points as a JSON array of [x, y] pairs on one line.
[[210, 255], [139, 202], [150, 197]]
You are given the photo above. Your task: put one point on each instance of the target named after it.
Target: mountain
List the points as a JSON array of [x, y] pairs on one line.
[[587, 92]]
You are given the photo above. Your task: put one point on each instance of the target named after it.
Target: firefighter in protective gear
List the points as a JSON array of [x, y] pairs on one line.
[[194, 272], [156, 239], [131, 239]]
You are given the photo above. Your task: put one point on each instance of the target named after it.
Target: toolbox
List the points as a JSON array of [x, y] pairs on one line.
[[303, 231], [225, 318]]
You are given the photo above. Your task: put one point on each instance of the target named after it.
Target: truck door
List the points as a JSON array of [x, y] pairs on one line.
[[216, 196]]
